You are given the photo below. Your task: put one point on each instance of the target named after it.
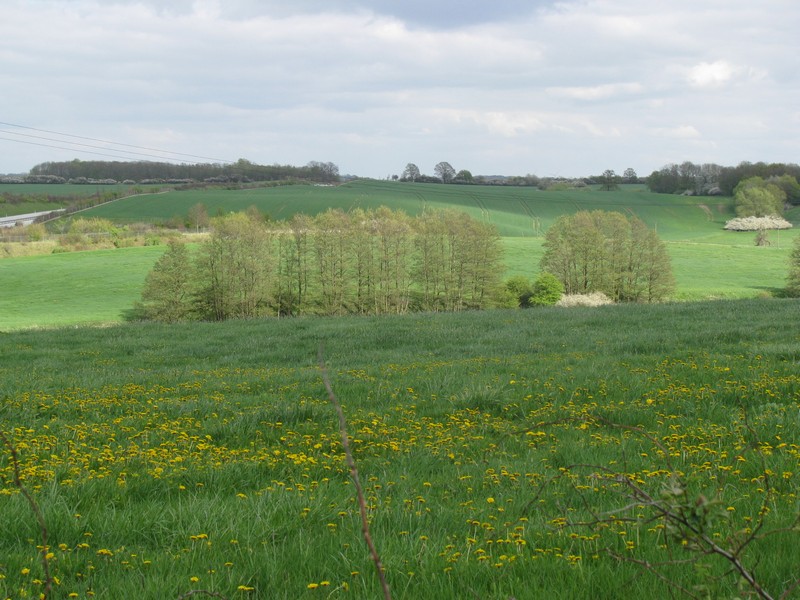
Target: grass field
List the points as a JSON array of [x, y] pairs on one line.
[[207, 457], [100, 287], [525, 212], [708, 262]]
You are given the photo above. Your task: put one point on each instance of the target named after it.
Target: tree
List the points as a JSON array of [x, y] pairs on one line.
[[410, 173], [166, 295], [463, 176], [547, 290], [606, 252], [793, 279], [444, 171], [608, 181], [234, 272], [755, 197], [198, 217], [629, 175]]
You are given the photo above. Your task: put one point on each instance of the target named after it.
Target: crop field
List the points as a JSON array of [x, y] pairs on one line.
[[515, 211], [502, 454]]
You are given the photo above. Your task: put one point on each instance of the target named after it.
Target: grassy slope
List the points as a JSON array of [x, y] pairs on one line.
[[140, 438], [72, 288], [515, 211]]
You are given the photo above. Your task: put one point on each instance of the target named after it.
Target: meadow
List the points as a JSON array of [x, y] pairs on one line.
[[498, 453], [92, 288]]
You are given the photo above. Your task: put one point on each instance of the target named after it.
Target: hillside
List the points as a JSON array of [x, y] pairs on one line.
[[517, 212]]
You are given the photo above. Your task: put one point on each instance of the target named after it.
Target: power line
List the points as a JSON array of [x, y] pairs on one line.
[[81, 137], [65, 148], [39, 137]]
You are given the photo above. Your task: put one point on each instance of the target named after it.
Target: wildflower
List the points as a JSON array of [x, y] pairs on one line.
[[312, 586]]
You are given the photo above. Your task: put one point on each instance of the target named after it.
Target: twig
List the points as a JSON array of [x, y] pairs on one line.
[[354, 475], [48, 579]]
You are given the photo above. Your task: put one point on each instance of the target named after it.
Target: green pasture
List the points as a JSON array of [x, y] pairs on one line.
[[72, 288], [497, 453], [517, 212], [101, 286]]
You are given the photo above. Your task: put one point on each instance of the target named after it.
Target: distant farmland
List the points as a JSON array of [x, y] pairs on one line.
[[516, 211]]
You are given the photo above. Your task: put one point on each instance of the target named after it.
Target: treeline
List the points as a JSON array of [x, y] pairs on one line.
[[158, 172], [362, 262], [712, 179]]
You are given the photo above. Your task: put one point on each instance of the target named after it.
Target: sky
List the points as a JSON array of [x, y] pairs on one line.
[[503, 87]]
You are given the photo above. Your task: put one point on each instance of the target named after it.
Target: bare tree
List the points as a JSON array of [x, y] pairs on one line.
[[444, 171]]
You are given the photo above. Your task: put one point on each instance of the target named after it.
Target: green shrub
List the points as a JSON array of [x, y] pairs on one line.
[[519, 291], [547, 290]]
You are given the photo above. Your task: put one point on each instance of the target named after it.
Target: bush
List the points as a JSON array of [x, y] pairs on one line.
[[519, 290], [593, 299], [757, 223], [547, 290]]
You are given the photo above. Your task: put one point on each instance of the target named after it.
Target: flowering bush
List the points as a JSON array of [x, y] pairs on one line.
[[593, 299], [757, 223]]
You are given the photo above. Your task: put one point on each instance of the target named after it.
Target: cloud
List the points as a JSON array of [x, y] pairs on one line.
[[679, 132], [503, 87], [711, 75]]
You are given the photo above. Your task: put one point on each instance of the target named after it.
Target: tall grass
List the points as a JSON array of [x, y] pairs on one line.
[[207, 456]]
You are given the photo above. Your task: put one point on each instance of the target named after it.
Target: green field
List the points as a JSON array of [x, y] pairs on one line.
[[708, 262], [207, 457], [523, 211]]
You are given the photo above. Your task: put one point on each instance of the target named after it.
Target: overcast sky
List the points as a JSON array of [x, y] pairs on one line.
[[507, 87]]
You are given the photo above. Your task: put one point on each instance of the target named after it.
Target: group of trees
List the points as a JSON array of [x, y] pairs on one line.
[[601, 251], [361, 262], [713, 179], [756, 197], [239, 171], [443, 172]]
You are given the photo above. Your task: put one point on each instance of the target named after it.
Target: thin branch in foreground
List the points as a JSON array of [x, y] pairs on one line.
[[354, 475], [48, 579]]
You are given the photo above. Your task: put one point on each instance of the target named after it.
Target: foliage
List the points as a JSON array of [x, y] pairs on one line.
[[198, 217], [757, 223], [687, 178], [590, 300], [793, 278], [166, 295], [755, 197], [606, 252], [520, 290], [410, 173], [142, 171], [363, 262], [609, 181], [444, 171], [547, 290]]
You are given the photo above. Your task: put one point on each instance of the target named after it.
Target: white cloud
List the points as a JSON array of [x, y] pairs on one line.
[[712, 75], [504, 87]]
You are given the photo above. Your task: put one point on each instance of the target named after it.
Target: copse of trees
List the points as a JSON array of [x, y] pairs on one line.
[[240, 171], [362, 262], [607, 252], [712, 179], [755, 197]]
